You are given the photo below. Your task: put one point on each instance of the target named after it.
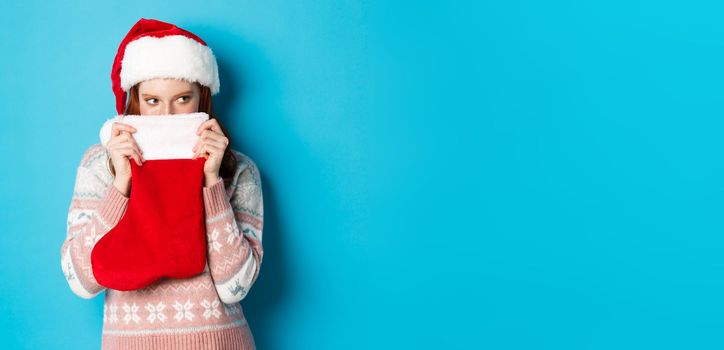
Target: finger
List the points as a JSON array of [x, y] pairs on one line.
[[202, 127], [209, 134], [124, 136], [136, 157], [198, 150], [217, 144], [115, 130], [201, 151], [212, 133], [209, 124], [201, 132], [125, 125], [209, 149], [118, 127], [139, 152], [131, 142], [211, 139], [131, 153], [135, 145], [199, 142], [128, 138]]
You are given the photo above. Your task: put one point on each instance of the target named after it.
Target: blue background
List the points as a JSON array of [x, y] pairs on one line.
[[470, 174]]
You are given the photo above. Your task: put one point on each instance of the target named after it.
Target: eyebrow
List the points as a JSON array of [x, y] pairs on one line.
[[183, 93]]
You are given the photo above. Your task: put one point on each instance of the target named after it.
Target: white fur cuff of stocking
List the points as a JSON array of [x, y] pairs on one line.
[[170, 136]]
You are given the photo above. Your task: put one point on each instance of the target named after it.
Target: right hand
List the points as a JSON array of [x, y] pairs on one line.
[[122, 147]]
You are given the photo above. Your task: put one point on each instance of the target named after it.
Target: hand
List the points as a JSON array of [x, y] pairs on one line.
[[121, 148], [211, 145]]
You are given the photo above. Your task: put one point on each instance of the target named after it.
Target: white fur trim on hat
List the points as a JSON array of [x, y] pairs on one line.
[[160, 136], [172, 56]]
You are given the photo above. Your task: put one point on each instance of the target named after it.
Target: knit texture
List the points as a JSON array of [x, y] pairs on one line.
[[200, 312]]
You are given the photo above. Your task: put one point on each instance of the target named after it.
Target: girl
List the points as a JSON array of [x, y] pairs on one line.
[[168, 70]]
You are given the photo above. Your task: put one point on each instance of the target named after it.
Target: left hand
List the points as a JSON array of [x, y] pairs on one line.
[[211, 145]]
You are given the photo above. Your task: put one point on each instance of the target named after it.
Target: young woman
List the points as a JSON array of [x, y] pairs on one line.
[[166, 70]]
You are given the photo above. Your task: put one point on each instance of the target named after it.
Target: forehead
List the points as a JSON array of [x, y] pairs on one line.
[[165, 86]]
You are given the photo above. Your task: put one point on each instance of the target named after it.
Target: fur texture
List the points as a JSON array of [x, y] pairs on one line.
[[160, 136], [172, 56]]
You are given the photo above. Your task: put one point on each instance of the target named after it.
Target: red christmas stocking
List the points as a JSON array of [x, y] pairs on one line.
[[162, 232]]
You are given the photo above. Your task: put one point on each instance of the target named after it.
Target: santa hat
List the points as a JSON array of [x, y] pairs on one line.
[[156, 49]]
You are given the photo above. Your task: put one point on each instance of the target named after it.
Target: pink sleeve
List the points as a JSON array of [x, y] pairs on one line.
[[233, 229], [95, 208]]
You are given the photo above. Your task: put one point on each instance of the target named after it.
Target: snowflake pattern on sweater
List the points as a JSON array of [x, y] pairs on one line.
[[205, 303]]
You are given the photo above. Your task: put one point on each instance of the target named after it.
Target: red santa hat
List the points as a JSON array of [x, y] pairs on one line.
[[156, 49]]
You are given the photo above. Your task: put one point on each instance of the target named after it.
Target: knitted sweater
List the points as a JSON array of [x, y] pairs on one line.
[[200, 312]]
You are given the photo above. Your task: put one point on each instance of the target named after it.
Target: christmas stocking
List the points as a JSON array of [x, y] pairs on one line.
[[162, 232]]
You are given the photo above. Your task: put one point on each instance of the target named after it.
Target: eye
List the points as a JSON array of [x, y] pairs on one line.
[[185, 98], [148, 100]]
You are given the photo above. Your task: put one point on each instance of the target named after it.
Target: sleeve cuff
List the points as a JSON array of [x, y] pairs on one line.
[[113, 205], [215, 199]]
